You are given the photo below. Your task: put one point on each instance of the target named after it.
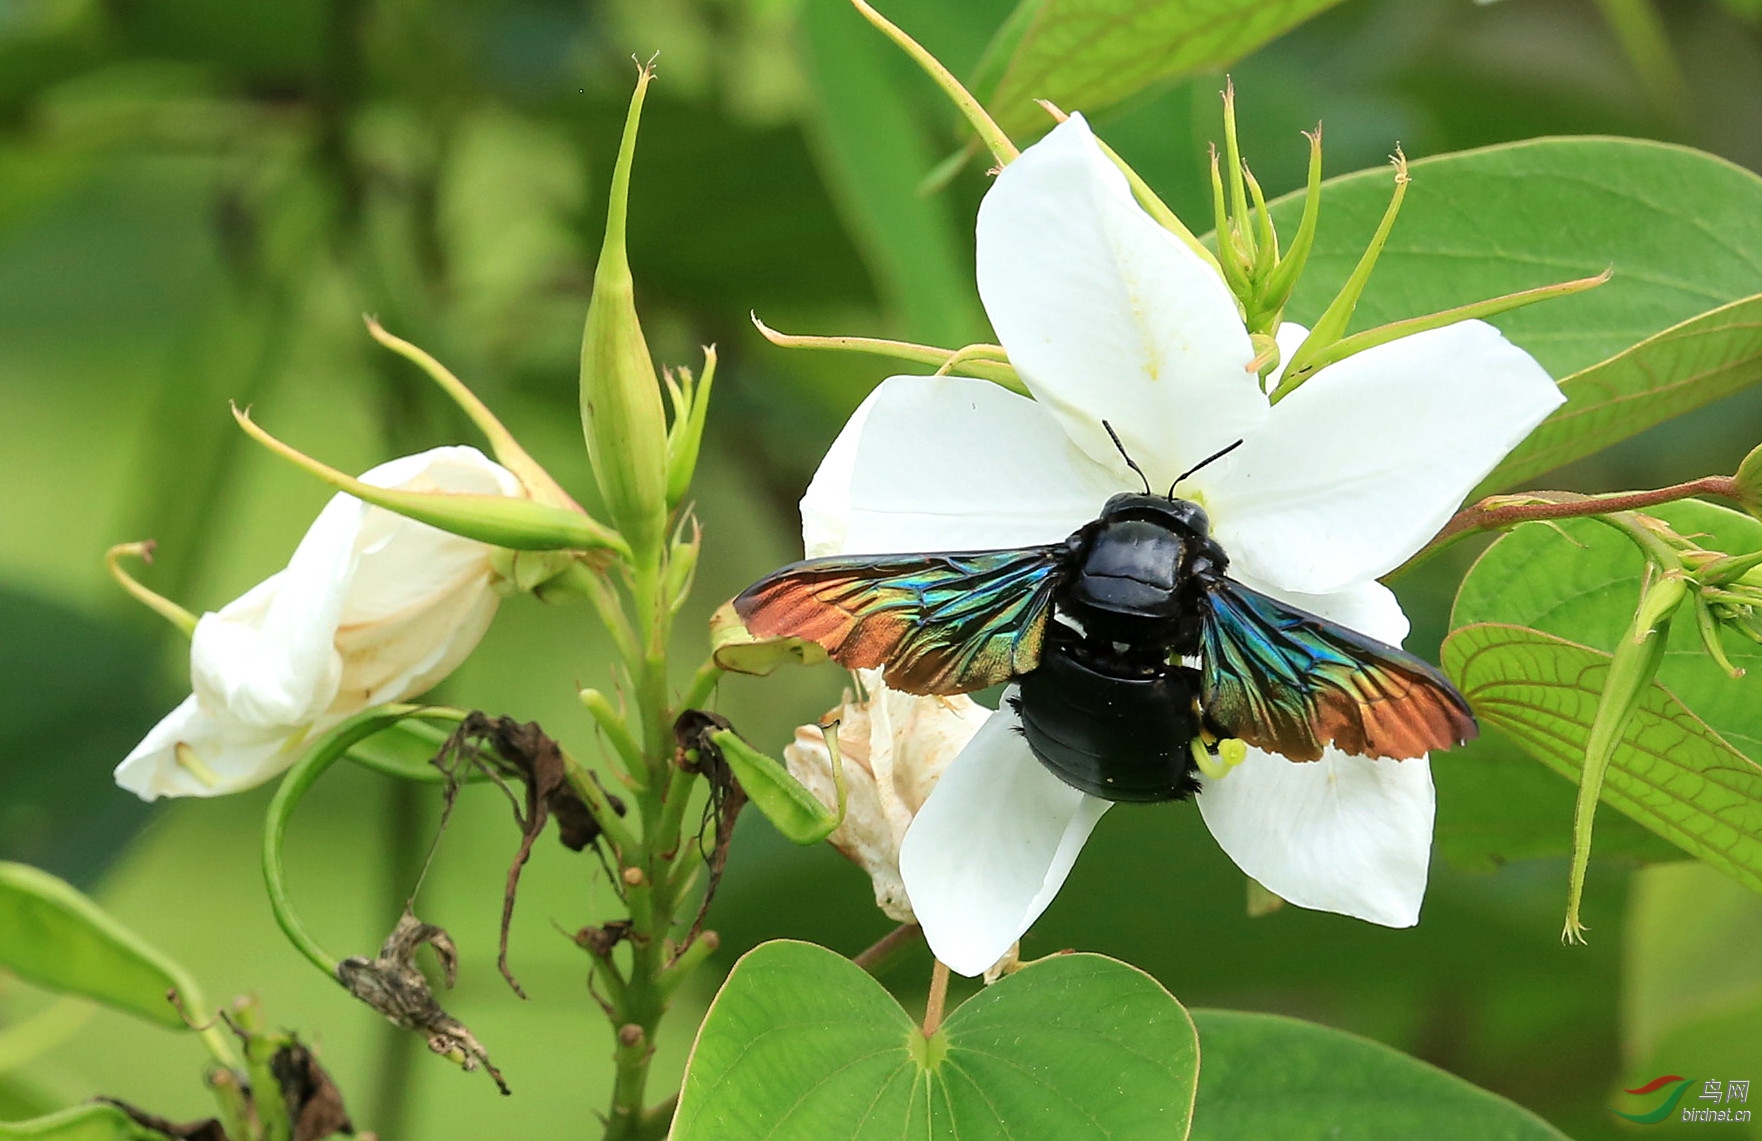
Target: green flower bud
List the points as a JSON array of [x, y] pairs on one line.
[[621, 413], [790, 807], [1631, 670], [690, 398]]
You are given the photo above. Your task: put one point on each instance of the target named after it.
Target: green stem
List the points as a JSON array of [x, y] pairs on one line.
[[298, 781], [703, 684], [397, 1048]]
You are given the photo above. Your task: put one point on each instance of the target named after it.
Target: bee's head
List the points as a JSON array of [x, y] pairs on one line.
[[1182, 516]]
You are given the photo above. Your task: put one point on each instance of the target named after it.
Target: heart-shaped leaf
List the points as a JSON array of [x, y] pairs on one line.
[[802, 1044], [1271, 1077]]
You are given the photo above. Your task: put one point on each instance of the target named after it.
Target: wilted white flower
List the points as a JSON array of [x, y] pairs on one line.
[[893, 747], [1108, 317], [371, 608]]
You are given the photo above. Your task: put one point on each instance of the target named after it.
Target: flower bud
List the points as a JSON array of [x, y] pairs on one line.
[[621, 413]]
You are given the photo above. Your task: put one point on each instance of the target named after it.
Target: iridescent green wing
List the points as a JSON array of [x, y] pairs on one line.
[[939, 623], [1289, 682]]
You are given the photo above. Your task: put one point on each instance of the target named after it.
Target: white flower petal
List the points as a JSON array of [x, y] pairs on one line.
[[1106, 315], [947, 463], [268, 658], [410, 599], [1355, 470], [992, 846], [825, 508], [402, 655], [1345, 834], [227, 757], [404, 563]]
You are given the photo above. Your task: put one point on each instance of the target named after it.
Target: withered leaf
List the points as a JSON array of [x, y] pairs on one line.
[[524, 753], [392, 985], [315, 1105]]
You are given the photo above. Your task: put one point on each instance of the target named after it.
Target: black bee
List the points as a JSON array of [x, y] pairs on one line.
[[1099, 632]]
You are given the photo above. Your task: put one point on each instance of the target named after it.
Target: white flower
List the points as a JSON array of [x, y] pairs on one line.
[[372, 608], [1106, 316], [894, 746]]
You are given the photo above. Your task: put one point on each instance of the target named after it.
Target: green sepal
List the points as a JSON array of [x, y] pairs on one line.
[[691, 405], [1631, 670], [500, 520], [784, 801]]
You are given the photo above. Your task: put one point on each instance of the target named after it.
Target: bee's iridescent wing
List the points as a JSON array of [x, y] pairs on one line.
[[940, 623], [1289, 682]]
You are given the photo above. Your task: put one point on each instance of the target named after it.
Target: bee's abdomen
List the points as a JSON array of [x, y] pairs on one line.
[[1119, 734]]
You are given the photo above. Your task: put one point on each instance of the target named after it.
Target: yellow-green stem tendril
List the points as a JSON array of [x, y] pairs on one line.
[[983, 125], [1331, 325], [987, 362], [508, 451], [152, 600], [500, 520]]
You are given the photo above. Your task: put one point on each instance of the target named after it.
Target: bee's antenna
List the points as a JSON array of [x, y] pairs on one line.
[[1115, 436], [1217, 455]]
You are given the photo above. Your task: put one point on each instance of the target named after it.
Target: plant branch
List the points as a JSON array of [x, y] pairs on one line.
[[888, 945], [1500, 512]]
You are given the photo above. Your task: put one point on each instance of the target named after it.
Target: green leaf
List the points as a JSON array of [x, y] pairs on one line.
[[1086, 54], [1580, 580], [1681, 229], [1496, 804], [55, 937], [1270, 1077], [81, 1123], [801, 1043], [1665, 375], [1671, 771]]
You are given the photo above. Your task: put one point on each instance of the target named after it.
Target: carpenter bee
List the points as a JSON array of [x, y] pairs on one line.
[[1100, 633]]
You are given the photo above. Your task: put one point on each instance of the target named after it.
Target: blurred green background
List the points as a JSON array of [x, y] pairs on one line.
[[198, 200]]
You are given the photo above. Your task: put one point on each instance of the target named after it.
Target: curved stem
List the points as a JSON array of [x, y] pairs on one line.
[[1498, 512], [299, 780]]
